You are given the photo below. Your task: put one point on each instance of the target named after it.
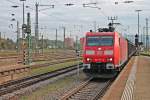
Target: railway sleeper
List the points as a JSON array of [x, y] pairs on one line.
[[81, 98], [83, 94]]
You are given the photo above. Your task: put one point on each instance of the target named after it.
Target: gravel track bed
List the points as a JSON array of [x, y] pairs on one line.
[[51, 89]]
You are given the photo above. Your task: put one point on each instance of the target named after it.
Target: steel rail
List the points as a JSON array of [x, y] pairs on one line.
[[75, 90], [88, 90], [25, 69], [28, 81]]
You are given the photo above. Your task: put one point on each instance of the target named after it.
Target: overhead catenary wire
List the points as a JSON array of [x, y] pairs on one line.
[[58, 18], [51, 15]]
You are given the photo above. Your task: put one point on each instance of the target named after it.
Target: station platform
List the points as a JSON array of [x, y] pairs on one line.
[[133, 82], [142, 84]]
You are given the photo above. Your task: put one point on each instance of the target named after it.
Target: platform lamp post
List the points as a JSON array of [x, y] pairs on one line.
[[138, 11]]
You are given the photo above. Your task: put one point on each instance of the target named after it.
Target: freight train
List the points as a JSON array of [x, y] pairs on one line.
[[105, 53]]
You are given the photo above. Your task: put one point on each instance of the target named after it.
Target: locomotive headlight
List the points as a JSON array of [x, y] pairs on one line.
[[88, 59], [108, 52], [90, 52], [110, 59]]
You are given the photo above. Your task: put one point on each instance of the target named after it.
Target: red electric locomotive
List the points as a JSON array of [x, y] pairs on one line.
[[104, 53]]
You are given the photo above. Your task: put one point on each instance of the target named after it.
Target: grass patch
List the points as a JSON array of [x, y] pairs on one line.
[[145, 53], [52, 67], [50, 88], [8, 53]]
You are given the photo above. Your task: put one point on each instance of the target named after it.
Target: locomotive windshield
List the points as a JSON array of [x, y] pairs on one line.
[[99, 40]]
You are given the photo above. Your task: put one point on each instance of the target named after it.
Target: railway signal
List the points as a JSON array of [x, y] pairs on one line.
[[136, 40], [27, 42], [28, 30]]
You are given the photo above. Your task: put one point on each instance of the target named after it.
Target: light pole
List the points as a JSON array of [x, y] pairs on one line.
[[56, 41], [138, 22], [147, 38], [23, 23], [64, 35], [43, 30], [18, 37]]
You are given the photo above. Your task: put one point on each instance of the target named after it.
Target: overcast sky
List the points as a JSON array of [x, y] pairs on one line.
[[77, 19]]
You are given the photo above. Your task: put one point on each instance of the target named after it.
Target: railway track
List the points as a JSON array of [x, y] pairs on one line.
[[27, 68], [28, 81], [19, 60], [11, 57], [35, 58], [89, 90]]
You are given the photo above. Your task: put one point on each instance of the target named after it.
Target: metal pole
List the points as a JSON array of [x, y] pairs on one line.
[[138, 23], [144, 36], [147, 38], [18, 37], [76, 42], [0, 35], [77, 54], [42, 45], [23, 14], [23, 33], [78, 61], [64, 36], [95, 26], [56, 40], [36, 27], [23, 36], [29, 38]]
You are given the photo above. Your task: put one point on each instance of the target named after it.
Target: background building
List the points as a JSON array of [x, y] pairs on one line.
[[69, 43]]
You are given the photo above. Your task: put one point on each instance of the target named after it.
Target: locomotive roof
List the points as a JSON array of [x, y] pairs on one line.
[[99, 33]]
